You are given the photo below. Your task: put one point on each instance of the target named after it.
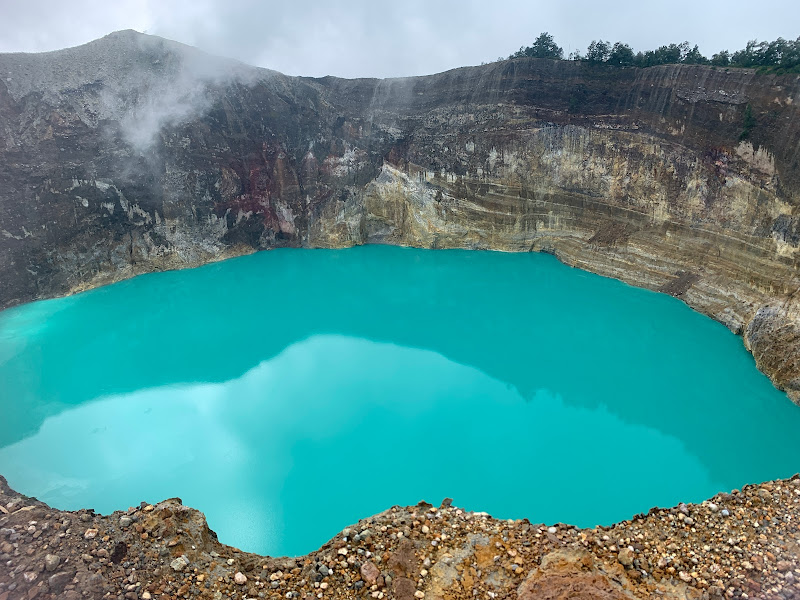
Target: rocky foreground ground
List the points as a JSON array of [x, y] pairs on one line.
[[745, 544]]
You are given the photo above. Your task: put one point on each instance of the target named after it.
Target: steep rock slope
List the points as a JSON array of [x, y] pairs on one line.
[[133, 153]]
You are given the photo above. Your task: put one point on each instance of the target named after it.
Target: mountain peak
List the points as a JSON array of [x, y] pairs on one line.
[[120, 61]]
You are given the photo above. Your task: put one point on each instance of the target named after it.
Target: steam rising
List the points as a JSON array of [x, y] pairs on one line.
[[144, 83], [176, 85], [162, 105]]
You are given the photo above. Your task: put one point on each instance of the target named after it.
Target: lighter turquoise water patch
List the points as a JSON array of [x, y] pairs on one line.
[[289, 393]]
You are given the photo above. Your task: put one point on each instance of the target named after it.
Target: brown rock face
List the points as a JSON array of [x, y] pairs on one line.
[[403, 561], [773, 336], [133, 154], [566, 575]]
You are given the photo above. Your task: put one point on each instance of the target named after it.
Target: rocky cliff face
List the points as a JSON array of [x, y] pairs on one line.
[[132, 154]]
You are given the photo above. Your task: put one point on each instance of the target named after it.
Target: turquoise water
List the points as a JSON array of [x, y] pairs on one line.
[[289, 393]]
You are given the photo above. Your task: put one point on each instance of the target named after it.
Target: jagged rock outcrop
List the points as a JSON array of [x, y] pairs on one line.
[[133, 153], [738, 545]]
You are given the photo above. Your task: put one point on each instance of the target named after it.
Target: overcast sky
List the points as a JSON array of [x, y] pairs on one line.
[[369, 38]]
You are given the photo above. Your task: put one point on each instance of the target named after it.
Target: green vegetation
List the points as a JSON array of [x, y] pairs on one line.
[[543, 47], [781, 56], [748, 124]]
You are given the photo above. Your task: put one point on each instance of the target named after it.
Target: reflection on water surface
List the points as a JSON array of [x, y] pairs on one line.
[[289, 393]]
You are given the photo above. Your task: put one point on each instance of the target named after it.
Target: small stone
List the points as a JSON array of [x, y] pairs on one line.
[[146, 596], [179, 564], [30, 576], [625, 557], [148, 508], [51, 562], [59, 581], [685, 576], [725, 512], [369, 572], [125, 521], [784, 565], [426, 530], [713, 507], [90, 534], [419, 594], [240, 578], [551, 530]]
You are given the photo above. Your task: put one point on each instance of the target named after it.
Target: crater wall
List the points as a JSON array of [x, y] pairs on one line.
[[134, 154]]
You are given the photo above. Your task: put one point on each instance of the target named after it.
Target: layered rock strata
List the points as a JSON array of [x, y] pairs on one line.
[[740, 545], [132, 154]]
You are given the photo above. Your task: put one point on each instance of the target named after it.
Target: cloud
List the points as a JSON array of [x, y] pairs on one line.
[[355, 38], [41, 25]]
